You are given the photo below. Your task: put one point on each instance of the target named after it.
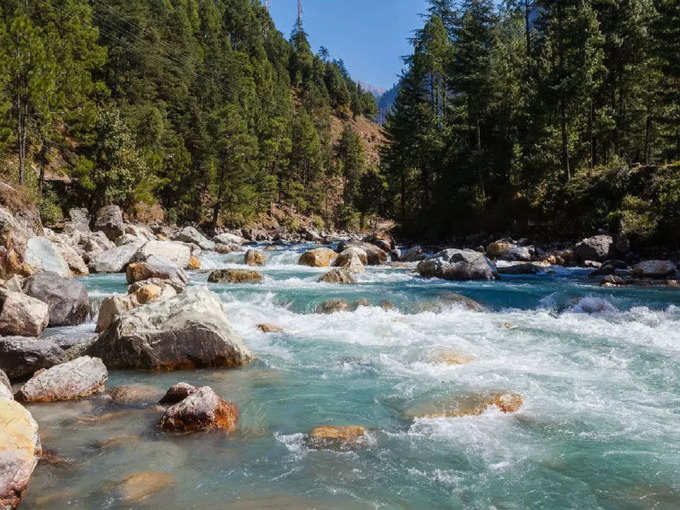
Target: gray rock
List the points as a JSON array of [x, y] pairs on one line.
[[20, 451], [67, 299], [156, 267], [44, 255], [506, 250], [522, 268], [191, 235], [374, 255], [654, 269], [110, 221], [203, 410], [190, 330], [455, 264], [229, 239], [79, 220], [334, 305], [21, 357], [413, 254], [346, 256], [72, 380], [176, 252], [598, 248], [177, 393], [338, 275], [5, 387], [114, 260], [22, 315]]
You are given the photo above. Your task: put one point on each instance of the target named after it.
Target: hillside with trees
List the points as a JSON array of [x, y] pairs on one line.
[[561, 117], [200, 111]]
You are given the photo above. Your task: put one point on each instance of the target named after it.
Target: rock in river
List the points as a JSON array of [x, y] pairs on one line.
[[336, 438], [66, 298], [235, 276], [177, 393], [114, 260], [190, 330], [157, 267], [654, 269], [192, 236], [19, 452], [75, 379], [21, 357], [254, 258], [505, 250], [318, 257], [598, 248], [455, 264], [22, 315], [337, 276], [203, 410]]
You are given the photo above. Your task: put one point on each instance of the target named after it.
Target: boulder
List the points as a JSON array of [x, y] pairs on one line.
[[66, 299], [228, 239], [225, 249], [190, 330], [79, 220], [176, 285], [374, 255], [20, 451], [21, 357], [22, 315], [177, 393], [337, 276], [141, 293], [654, 269], [505, 250], [193, 236], [235, 276], [350, 253], [5, 387], [449, 299], [202, 410], [177, 253], [72, 380], [612, 280], [334, 305], [156, 267], [319, 257], [66, 246], [455, 264], [336, 438], [194, 263], [43, 255], [516, 269], [413, 254], [110, 221], [254, 258], [353, 264], [382, 240], [14, 284], [598, 248], [115, 260], [269, 328]]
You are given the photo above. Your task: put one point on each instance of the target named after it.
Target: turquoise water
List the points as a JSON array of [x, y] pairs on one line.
[[599, 371]]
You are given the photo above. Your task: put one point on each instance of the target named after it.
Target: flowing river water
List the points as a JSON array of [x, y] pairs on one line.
[[599, 371]]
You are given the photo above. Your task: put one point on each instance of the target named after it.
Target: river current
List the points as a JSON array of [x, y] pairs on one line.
[[598, 369]]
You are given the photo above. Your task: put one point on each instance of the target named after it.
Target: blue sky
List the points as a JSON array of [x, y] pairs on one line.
[[369, 35]]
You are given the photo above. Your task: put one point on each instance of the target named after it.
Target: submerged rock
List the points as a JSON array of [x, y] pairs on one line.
[[43, 255], [337, 276], [203, 410], [318, 257], [235, 276], [334, 305], [269, 328], [134, 394], [449, 299], [66, 299], [20, 451], [177, 393], [190, 330], [75, 379], [455, 264], [22, 315], [254, 258], [336, 438], [469, 405], [138, 487], [21, 357], [453, 358]]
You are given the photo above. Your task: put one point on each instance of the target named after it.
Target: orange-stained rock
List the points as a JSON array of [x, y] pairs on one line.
[[235, 276], [508, 402], [254, 258], [139, 487], [269, 328], [337, 276], [319, 257], [468, 405], [201, 411], [19, 452], [453, 358], [334, 437], [194, 263], [147, 294]]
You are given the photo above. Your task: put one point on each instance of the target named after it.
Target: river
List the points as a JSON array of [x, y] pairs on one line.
[[598, 369]]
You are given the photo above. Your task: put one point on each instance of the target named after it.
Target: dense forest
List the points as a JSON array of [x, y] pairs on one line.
[[199, 109], [561, 116]]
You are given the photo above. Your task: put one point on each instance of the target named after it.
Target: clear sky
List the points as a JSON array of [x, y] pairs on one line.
[[371, 36]]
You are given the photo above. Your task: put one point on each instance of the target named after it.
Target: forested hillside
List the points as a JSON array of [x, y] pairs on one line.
[[199, 109], [562, 116]]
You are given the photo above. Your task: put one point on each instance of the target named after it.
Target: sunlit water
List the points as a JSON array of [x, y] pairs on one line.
[[599, 370]]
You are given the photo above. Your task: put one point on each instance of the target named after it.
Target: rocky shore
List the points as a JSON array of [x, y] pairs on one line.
[[164, 324]]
